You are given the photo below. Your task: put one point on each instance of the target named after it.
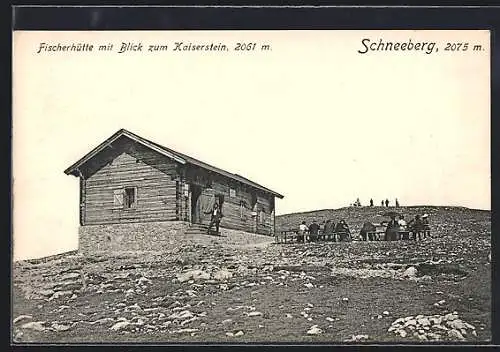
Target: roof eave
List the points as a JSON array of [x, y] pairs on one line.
[[71, 170]]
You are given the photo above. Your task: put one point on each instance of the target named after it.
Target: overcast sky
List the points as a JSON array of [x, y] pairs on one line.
[[312, 119]]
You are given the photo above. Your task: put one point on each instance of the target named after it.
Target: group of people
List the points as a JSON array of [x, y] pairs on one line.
[[397, 228], [329, 231], [418, 226], [383, 203]]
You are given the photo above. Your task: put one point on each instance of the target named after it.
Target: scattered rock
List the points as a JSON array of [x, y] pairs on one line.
[[47, 293], [120, 325], [354, 338], [193, 275], [223, 275], [410, 272], [60, 327], [69, 276], [185, 314], [34, 325], [254, 314], [314, 330], [455, 334], [22, 317]]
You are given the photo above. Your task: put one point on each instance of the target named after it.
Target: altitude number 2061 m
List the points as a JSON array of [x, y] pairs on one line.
[[251, 47]]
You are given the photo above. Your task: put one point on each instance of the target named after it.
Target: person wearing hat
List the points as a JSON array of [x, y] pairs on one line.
[[425, 225], [416, 227]]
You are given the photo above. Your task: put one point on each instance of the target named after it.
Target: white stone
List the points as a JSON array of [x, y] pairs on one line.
[[254, 314], [223, 275], [314, 330], [34, 325], [22, 317], [120, 325], [60, 327], [70, 276], [410, 272], [185, 314], [455, 334]]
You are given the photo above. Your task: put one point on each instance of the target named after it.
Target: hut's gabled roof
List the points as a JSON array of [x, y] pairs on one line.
[[170, 153]]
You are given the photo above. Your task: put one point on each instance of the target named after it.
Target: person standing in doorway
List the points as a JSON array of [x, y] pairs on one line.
[[216, 215]]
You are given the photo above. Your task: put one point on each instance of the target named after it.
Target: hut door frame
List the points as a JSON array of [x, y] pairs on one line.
[[195, 204]]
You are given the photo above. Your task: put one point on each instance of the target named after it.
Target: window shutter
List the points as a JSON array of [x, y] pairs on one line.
[[118, 197]]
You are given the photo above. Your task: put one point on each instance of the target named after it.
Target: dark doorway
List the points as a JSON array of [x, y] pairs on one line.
[[220, 199], [195, 205]]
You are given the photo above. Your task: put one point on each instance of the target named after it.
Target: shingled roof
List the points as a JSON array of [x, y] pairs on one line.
[[170, 153]]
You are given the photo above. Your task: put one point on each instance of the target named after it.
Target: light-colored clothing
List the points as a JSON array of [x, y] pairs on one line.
[[303, 228]]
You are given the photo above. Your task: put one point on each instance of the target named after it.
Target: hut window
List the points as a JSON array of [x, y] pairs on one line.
[[130, 197], [232, 192]]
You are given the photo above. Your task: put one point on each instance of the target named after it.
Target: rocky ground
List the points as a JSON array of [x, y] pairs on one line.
[[229, 290]]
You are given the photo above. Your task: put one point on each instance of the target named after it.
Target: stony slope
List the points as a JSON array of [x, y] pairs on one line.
[[243, 288]]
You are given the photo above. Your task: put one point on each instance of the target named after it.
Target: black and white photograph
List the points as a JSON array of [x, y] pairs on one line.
[[270, 186]]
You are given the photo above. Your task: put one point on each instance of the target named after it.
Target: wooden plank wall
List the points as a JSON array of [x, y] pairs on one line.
[[156, 190], [238, 218], [160, 190]]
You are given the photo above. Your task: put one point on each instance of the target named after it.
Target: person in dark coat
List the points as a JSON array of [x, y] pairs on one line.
[[367, 228], [342, 230], [216, 215], [313, 231], [328, 229], [371, 202], [416, 227], [387, 202], [391, 231]]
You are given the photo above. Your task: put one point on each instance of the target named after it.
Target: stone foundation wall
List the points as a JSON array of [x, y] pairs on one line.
[[132, 236]]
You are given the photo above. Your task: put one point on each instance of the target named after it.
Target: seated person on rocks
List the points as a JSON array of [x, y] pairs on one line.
[[391, 231], [367, 228], [328, 229], [313, 231], [403, 227], [342, 230], [416, 227]]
